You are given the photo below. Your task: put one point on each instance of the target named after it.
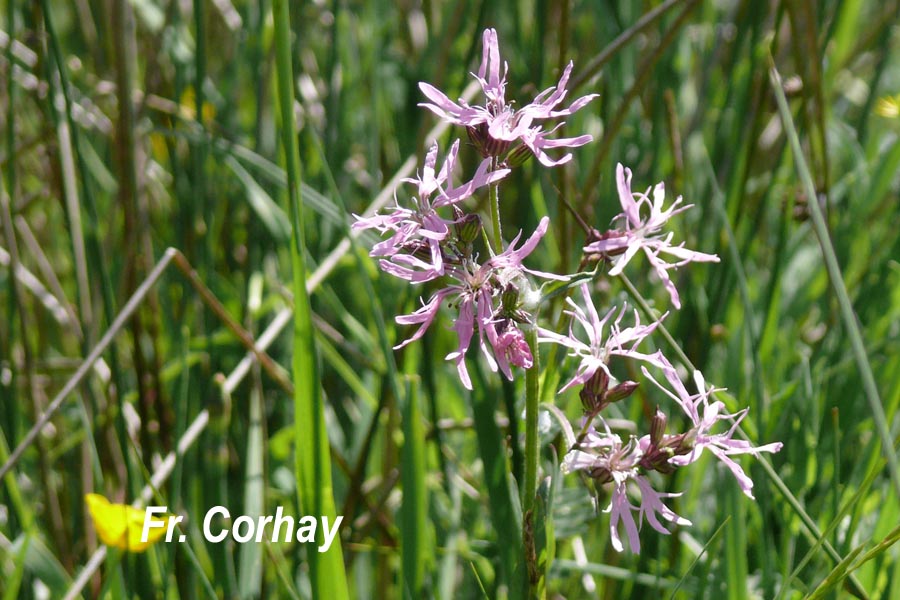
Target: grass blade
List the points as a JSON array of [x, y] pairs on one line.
[[250, 566], [312, 459], [415, 543]]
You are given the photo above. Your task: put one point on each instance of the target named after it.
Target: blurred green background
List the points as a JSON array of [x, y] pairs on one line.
[[129, 127]]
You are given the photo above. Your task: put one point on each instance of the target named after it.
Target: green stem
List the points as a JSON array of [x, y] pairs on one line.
[[532, 398], [496, 237], [532, 451]]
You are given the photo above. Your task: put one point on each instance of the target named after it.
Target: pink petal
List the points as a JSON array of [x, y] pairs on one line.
[[629, 206], [424, 316]]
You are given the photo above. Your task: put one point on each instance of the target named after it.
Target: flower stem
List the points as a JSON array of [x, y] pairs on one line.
[[532, 450], [531, 422], [494, 196]]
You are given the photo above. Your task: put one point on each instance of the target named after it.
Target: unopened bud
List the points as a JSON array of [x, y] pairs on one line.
[[468, 227], [657, 427], [593, 393], [621, 391], [518, 156], [598, 383], [509, 299]]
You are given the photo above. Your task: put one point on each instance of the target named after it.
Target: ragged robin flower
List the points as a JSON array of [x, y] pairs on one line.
[[604, 458], [477, 293], [644, 232], [601, 345], [415, 251], [497, 127], [704, 415]]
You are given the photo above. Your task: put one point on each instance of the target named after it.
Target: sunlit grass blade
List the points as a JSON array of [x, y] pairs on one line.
[[735, 560], [14, 581], [41, 563], [703, 551], [653, 582], [312, 454], [850, 564]]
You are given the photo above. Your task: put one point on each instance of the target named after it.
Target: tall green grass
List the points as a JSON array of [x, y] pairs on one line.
[[312, 457]]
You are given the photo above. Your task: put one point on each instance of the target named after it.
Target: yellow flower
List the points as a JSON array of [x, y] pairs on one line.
[[889, 106], [121, 525]]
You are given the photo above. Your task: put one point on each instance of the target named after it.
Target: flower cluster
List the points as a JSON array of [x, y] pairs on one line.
[[607, 460], [432, 239], [489, 296], [420, 237], [600, 453], [595, 354]]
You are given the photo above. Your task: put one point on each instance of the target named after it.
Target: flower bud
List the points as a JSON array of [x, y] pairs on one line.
[[593, 393], [468, 228], [518, 156], [598, 383], [657, 427], [509, 299], [621, 391]]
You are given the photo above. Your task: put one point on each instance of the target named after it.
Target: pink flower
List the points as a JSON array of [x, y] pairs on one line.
[[603, 456], [599, 349], [477, 294], [414, 250], [511, 348], [496, 125], [646, 234], [475, 310], [423, 316], [721, 445], [606, 459], [651, 504], [510, 260]]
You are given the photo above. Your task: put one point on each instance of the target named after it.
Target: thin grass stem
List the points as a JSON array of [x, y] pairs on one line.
[[851, 324]]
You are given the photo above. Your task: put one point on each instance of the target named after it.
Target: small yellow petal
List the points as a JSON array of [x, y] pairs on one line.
[[121, 525], [889, 106]]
